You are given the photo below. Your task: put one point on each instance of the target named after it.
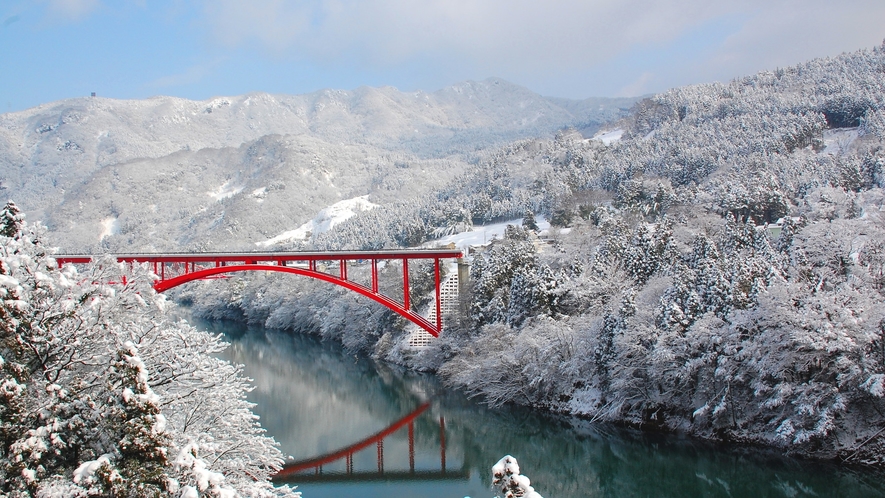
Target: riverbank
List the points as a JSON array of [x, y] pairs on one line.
[[314, 397], [545, 364]]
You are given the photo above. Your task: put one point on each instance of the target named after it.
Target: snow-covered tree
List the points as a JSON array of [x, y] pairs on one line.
[[104, 394], [11, 219], [529, 222], [507, 480]]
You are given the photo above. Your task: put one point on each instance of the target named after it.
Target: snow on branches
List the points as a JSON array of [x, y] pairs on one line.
[[507, 479]]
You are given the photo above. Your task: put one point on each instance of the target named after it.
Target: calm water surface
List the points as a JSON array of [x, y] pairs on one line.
[[321, 403]]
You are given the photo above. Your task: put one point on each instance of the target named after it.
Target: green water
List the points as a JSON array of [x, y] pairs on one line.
[[314, 398]]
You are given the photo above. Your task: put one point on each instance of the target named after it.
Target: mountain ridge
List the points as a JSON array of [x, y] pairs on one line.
[[52, 155]]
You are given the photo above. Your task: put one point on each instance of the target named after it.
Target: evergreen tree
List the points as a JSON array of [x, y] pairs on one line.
[[11, 220], [529, 222]]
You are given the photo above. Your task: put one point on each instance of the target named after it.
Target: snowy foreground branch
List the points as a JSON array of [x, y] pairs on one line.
[[507, 479], [103, 393]]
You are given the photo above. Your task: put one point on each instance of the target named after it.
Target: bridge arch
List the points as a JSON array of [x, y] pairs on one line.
[[295, 471], [164, 285]]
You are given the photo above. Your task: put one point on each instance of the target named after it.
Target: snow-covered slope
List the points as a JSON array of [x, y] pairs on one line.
[[167, 165], [608, 136], [231, 198], [483, 235], [324, 221]]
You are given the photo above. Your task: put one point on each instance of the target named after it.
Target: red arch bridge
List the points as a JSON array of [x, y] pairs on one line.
[[174, 269]]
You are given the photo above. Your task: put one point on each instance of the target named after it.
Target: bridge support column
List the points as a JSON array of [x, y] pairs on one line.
[[381, 456], [438, 296], [406, 285], [412, 447], [463, 282], [442, 444]]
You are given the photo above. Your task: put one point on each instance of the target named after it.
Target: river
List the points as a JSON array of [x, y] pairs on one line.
[[319, 401]]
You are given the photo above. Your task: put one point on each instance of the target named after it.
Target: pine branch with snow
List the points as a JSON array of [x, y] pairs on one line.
[[507, 480]]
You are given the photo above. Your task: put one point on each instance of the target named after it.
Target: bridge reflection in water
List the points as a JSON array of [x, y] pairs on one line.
[[311, 470]]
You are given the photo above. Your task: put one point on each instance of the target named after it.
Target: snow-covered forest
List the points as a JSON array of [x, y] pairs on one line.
[[723, 275], [104, 393]]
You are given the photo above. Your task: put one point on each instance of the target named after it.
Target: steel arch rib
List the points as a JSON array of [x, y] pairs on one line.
[[164, 285]]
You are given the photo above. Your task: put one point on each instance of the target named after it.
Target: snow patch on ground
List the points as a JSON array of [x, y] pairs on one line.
[[481, 235], [224, 191], [324, 220], [111, 227], [259, 194], [608, 136], [837, 142], [585, 401]]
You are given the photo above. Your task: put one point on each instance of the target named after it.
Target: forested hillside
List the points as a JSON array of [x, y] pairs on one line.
[[174, 174], [723, 274]]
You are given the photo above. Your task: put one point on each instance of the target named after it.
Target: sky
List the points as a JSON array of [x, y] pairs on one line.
[[199, 49]]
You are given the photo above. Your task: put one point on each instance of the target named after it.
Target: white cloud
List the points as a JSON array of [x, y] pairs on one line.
[[276, 24], [787, 32], [72, 10], [521, 39], [573, 48], [191, 75], [485, 33], [640, 86]]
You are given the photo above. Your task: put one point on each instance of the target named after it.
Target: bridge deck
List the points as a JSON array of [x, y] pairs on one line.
[[191, 257]]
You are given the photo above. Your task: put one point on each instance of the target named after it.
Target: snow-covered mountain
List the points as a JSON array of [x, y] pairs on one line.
[[170, 173]]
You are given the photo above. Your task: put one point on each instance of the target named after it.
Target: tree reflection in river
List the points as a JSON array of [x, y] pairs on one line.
[[314, 398]]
